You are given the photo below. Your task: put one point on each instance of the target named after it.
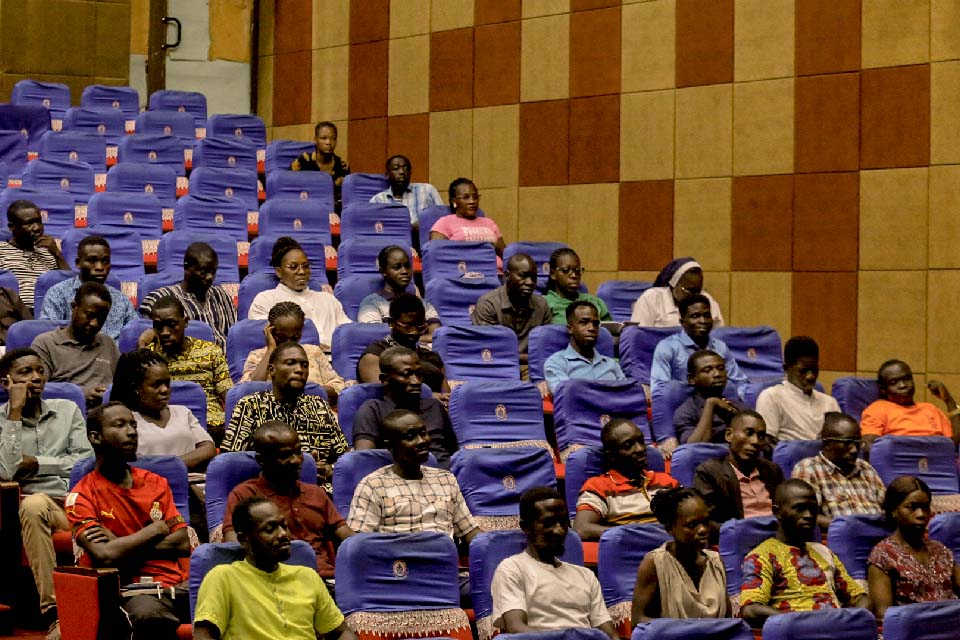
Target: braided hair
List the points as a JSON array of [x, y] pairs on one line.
[[666, 503], [130, 374], [284, 309]]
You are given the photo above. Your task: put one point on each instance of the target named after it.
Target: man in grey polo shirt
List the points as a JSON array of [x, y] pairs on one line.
[[80, 353]]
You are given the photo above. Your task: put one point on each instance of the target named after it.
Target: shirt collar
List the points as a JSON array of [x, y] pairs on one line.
[[572, 354], [506, 303], [619, 478], [46, 410], [688, 341], [797, 391], [753, 474]]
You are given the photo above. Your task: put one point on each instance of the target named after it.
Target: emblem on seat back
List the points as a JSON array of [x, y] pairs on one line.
[[378, 226], [501, 412], [218, 219], [115, 104], [752, 353], [238, 132], [923, 465], [167, 129], [73, 155], [509, 483], [101, 128], [152, 156], [486, 355], [128, 217], [399, 569], [45, 102], [304, 195], [297, 224], [64, 183], [232, 161], [462, 266], [228, 192]]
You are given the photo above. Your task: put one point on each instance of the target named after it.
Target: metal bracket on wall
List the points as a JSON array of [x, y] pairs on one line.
[[171, 20]]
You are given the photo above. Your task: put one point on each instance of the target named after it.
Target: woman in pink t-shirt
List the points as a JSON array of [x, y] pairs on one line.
[[463, 224]]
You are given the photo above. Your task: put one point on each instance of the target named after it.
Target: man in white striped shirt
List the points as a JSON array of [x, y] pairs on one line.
[[30, 253]]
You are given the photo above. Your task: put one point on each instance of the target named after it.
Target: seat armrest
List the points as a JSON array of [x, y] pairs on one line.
[[88, 603]]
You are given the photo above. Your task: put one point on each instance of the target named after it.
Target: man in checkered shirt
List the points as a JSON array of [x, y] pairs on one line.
[[407, 497]]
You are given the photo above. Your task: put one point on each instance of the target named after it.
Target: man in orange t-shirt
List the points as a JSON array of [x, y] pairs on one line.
[[896, 414], [125, 517]]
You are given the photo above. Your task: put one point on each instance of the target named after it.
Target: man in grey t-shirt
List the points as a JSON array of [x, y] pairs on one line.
[[80, 353]]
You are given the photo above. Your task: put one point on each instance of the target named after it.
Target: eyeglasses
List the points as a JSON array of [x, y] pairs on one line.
[[688, 292], [856, 442], [416, 327], [577, 271]]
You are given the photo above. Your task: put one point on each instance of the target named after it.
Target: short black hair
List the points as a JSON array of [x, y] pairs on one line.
[[692, 361], [530, 498], [689, 301], [787, 486], [743, 414], [10, 357], [897, 492], [799, 347], [516, 258], [283, 246], [195, 251], [832, 419], [267, 429], [396, 156], [389, 424], [606, 432], [889, 363], [16, 207], [283, 347], [95, 415], [92, 241], [579, 304], [321, 125], [390, 354], [554, 260], [452, 191], [666, 503], [241, 519], [92, 289], [384, 254], [169, 302], [405, 303]]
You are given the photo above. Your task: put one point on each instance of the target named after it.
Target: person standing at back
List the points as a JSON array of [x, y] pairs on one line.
[[324, 159]]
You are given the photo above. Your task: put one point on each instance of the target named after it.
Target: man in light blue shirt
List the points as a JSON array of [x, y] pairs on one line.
[[93, 261], [672, 353], [580, 359], [415, 196]]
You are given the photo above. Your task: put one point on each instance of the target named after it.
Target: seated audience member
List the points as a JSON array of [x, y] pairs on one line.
[[896, 414], [794, 409], [324, 159], [672, 353], [79, 352], [397, 273], [29, 253], [515, 305], [791, 572], [705, 416], [93, 261], [201, 299], [406, 496], [12, 311], [311, 416], [683, 578], [563, 286], [142, 384], [907, 567], [623, 492], [307, 509], [463, 223], [293, 269], [408, 327], [40, 440], [285, 324], [659, 306], [124, 517], [189, 358], [259, 596], [845, 483], [581, 360], [741, 485], [415, 196], [402, 377], [535, 590]]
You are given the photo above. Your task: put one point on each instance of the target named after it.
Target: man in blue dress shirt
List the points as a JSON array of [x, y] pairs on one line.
[[580, 359]]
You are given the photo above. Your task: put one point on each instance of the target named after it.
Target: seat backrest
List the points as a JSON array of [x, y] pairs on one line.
[[620, 552], [57, 208], [229, 469], [174, 245], [126, 100], [21, 333], [547, 340], [282, 153], [637, 345], [452, 259], [753, 389], [360, 187], [788, 453], [263, 280], [60, 391], [313, 244], [852, 623], [140, 212], [664, 402], [75, 178], [620, 295], [353, 289], [13, 152], [249, 127], [490, 548], [931, 458], [8, 280], [491, 412], [207, 556], [75, 146], [694, 629], [945, 528], [171, 468], [134, 177], [54, 96], [540, 252], [855, 394], [582, 407], [428, 217], [853, 537], [107, 122], [35, 120], [225, 153], [243, 389], [153, 281], [245, 336], [315, 187], [757, 350], [214, 214], [739, 537], [191, 102], [455, 298], [355, 257], [169, 122], [182, 392], [126, 249], [293, 217], [687, 457], [922, 621], [587, 462], [493, 479], [239, 184], [478, 353], [152, 148], [350, 341], [375, 220], [349, 402], [131, 332]]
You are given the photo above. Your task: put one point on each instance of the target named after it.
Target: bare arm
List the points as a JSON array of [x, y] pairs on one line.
[[499, 246], [703, 432], [515, 621], [343, 532], [230, 536], [197, 459], [587, 525], [436, 235], [611, 631], [106, 550], [757, 614], [359, 444], [646, 593], [956, 579], [881, 588], [260, 373], [343, 632], [369, 368], [468, 538], [868, 441], [204, 630], [940, 391]]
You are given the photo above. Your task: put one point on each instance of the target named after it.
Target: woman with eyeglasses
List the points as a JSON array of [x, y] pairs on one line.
[[463, 223], [658, 305], [293, 268], [563, 286], [906, 567]]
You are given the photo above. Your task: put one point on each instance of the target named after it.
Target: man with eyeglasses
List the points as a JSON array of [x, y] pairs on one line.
[[845, 483]]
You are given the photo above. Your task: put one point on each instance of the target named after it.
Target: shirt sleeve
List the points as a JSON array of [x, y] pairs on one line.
[[380, 198], [327, 616], [848, 589], [945, 427], [591, 499], [770, 410], [463, 522], [507, 589], [430, 311], [873, 421], [78, 446], [170, 511], [146, 305], [442, 226], [11, 448], [325, 371], [715, 312], [213, 598], [555, 371], [251, 363], [602, 308], [196, 430], [82, 513], [221, 374], [365, 508], [685, 420], [40, 346], [55, 305], [757, 580], [433, 195], [366, 423], [643, 312], [880, 557], [660, 369], [484, 312], [240, 425], [260, 307], [734, 374], [598, 609], [803, 471], [368, 311]]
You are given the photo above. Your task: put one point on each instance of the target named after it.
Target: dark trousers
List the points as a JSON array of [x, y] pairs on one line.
[[154, 617]]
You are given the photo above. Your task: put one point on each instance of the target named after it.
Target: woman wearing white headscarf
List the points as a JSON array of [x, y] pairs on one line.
[[657, 306]]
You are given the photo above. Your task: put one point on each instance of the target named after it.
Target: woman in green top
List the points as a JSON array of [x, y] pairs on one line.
[[563, 286]]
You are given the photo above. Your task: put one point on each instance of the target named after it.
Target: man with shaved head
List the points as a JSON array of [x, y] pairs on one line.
[[310, 513], [515, 305], [791, 572]]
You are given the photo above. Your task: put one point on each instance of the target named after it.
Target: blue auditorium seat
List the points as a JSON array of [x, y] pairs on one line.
[[477, 353], [455, 298], [48, 280], [72, 177], [360, 187], [375, 221], [125, 100], [75, 146], [350, 341], [853, 537], [171, 468], [945, 528], [126, 251], [133, 177], [168, 123], [35, 120], [356, 257], [758, 350], [854, 394], [248, 127], [54, 96], [667, 398], [619, 296], [193, 103], [687, 457], [183, 392], [582, 407], [281, 154], [139, 212], [930, 458], [693, 629], [239, 184], [494, 412], [349, 402], [21, 333], [58, 390], [247, 335], [174, 245], [351, 291], [852, 623], [132, 331], [315, 187], [428, 217], [637, 345], [540, 252], [354, 466], [211, 214], [105, 122], [737, 539], [547, 340], [148, 148], [225, 153], [452, 259], [293, 217], [788, 453], [620, 552], [57, 208], [587, 462], [922, 621], [13, 152]]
